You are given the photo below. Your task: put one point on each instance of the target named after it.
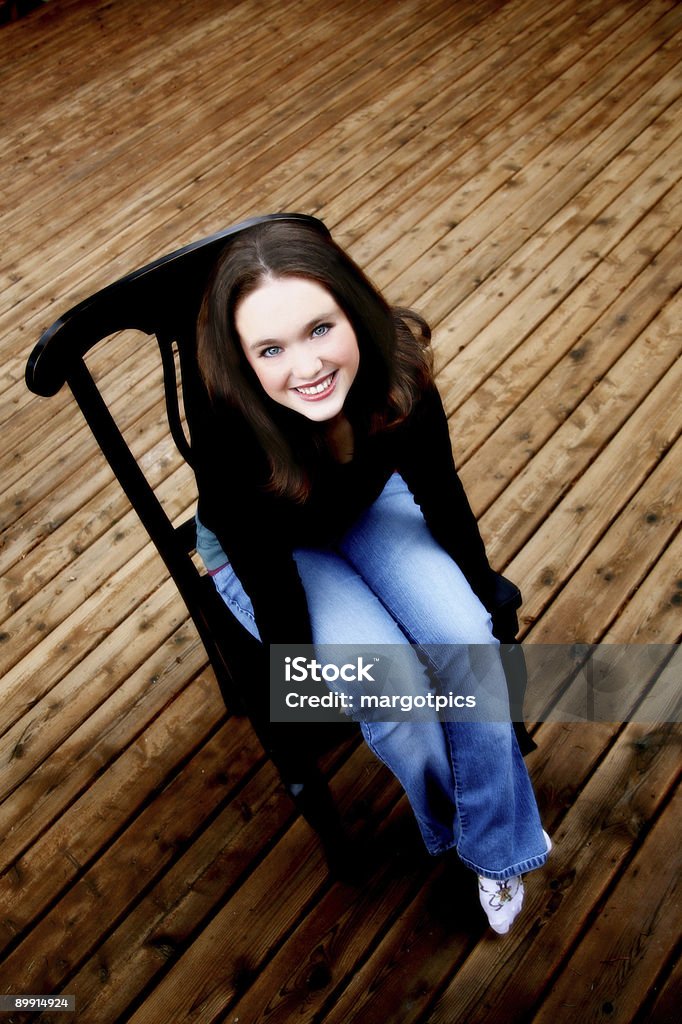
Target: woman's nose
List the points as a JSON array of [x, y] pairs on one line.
[[307, 366]]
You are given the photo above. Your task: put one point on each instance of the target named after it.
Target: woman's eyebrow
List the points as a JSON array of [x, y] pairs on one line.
[[318, 320]]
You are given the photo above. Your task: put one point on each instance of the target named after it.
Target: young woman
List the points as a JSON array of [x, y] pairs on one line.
[[330, 512]]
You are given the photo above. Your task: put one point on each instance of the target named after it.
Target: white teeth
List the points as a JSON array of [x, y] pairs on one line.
[[318, 387]]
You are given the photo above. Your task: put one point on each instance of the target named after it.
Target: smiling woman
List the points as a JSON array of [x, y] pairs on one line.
[[275, 288], [337, 517], [312, 363]]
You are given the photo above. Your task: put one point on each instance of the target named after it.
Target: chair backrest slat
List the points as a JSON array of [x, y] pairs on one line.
[[168, 348]]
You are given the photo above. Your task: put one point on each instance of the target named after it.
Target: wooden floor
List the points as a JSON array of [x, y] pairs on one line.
[[512, 169]]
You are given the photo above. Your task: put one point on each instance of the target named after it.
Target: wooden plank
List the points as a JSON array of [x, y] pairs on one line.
[[643, 904], [664, 1005], [278, 49], [121, 69], [318, 949], [87, 574], [652, 612], [108, 888], [508, 266], [606, 421], [569, 382], [322, 954], [129, 401], [336, 139], [14, 395], [130, 380], [89, 697], [543, 275], [386, 144], [370, 141], [62, 524], [619, 565], [463, 71], [619, 562], [78, 634], [591, 848], [149, 938], [625, 288], [580, 124], [31, 489], [569, 532], [115, 44], [388, 217], [259, 915], [31, 510], [32, 882], [28, 509], [170, 913], [72, 23]]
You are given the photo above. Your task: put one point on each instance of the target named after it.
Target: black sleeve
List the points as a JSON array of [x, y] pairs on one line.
[[428, 468], [229, 468]]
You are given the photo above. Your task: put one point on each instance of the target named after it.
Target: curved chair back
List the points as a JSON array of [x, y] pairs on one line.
[[162, 300]]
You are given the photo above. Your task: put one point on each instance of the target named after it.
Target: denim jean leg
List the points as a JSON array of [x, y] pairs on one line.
[[499, 830], [235, 597], [344, 611]]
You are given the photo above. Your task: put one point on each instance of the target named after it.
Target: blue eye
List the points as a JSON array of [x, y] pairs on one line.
[[270, 351], [321, 330]]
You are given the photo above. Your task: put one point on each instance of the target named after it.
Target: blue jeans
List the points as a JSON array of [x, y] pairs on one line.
[[389, 582]]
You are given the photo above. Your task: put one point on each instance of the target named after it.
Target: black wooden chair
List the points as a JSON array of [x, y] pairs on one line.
[[162, 299]]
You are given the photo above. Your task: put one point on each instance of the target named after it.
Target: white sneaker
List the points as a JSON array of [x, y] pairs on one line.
[[502, 901]]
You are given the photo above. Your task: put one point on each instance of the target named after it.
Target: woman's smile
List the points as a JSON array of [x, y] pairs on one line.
[[321, 389]]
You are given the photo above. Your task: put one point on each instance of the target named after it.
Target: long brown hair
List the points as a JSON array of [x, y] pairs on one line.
[[395, 360]]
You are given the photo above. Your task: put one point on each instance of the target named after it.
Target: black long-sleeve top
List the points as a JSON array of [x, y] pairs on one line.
[[258, 530]]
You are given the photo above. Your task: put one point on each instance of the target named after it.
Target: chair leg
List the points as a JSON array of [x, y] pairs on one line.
[[314, 802], [304, 782]]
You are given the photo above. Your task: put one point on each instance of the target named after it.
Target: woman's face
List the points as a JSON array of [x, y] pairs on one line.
[[300, 345]]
